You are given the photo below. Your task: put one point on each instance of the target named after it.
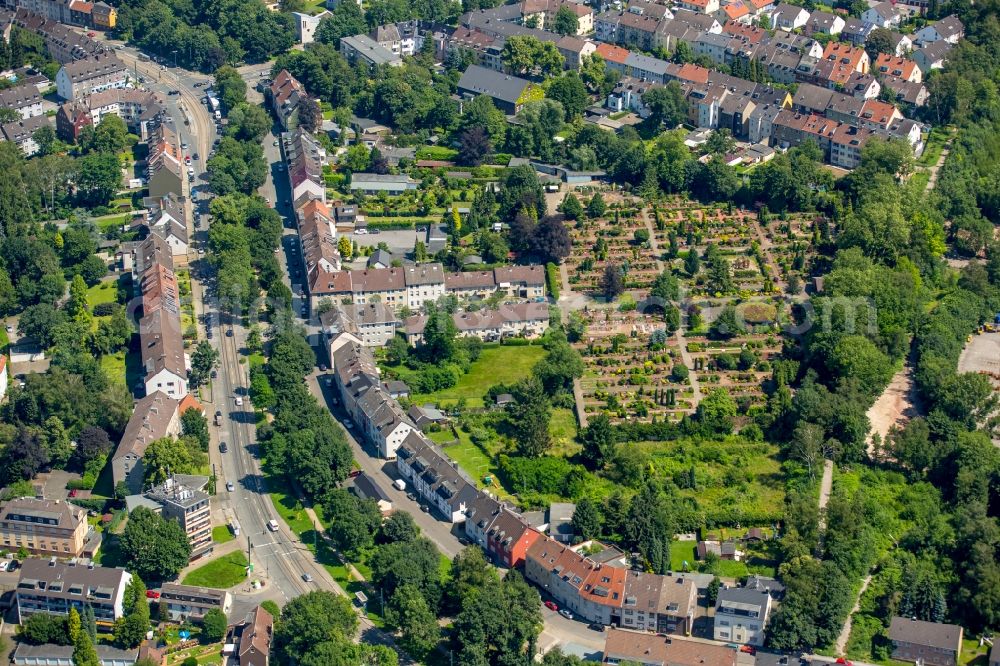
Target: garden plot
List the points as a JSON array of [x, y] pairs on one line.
[[740, 365], [630, 364]]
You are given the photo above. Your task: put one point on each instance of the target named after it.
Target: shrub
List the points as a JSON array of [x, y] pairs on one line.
[[552, 277]]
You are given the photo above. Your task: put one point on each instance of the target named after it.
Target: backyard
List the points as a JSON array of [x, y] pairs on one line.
[[496, 365]]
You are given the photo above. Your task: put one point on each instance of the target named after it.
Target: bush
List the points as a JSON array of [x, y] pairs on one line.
[[552, 277], [104, 309]]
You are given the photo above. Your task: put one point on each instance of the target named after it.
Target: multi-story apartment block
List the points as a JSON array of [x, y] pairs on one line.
[[364, 49], [182, 498], [187, 602], [434, 478], [140, 109], [374, 324], [25, 99], [155, 416], [93, 75], [528, 320], [741, 615], [49, 586], [628, 646], [46, 527]]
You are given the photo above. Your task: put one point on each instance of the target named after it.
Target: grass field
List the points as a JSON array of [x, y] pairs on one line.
[[562, 428], [109, 222], [221, 534], [496, 365], [222, 573], [102, 292]]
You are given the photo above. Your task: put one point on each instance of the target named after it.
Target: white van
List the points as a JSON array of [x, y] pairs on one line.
[[400, 484], [272, 525]]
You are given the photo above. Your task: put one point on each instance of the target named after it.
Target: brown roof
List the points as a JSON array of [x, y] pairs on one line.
[[929, 634], [377, 279], [161, 344], [149, 422], [56, 580], [528, 275], [319, 244], [65, 515], [470, 280], [423, 274], [646, 648], [255, 638]]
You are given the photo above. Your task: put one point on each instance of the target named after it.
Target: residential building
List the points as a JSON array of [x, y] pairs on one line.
[[164, 163], [900, 44], [930, 643], [914, 94], [50, 586], [559, 517], [22, 133], [50, 654], [653, 650], [529, 320], [373, 183], [252, 638], [306, 24], [374, 324], [424, 284], [856, 31], [155, 416], [896, 67], [741, 615], [86, 77], [285, 93], [852, 56], [162, 354], [187, 602], [46, 527], [523, 282], [304, 160], [403, 38], [949, 29], [932, 55], [700, 6], [434, 478], [140, 109], [166, 217], [789, 17], [508, 538], [182, 498], [105, 16], [366, 488], [362, 48], [25, 99], [318, 240], [824, 23], [62, 42], [574, 50], [509, 93], [883, 15], [542, 14], [382, 420]]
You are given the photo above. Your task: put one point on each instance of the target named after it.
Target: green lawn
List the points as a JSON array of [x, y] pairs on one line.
[[114, 366], [562, 428], [936, 141], [4, 340], [496, 365], [102, 292], [221, 534], [681, 551], [223, 573], [105, 224]]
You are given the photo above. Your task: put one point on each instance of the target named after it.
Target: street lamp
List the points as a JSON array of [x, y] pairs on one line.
[[175, 58]]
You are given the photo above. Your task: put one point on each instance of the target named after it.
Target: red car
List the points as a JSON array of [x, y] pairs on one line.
[[72, 493], [749, 649], [551, 606], [152, 594], [844, 662]]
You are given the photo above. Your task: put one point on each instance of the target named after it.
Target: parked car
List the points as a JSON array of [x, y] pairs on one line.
[[348, 423], [593, 626], [551, 605], [566, 614], [73, 492], [239, 401], [5, 565], [152, 594], [223, 447], [749, 649]]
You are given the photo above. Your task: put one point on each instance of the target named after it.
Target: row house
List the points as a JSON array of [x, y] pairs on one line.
[[22, 133], [62, 42], [154, 417], [304, 161], [166, 217], [574, 50], [285, 93], [622, 646], [610, 595], [81, 13], [164, 163], [372, 324], [85, 77], [907, 92], [49, 586], [382, 421], [318, 241], [700, 6], [930, 643], [627, 96], [161, 341], [25, 99], [646, 68], [649, 8], [434, 477], [139, 109], [856, 31], [741, 615], [527, 320], [542, 14]]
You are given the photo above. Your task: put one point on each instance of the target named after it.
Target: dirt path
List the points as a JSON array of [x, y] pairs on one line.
[[772, 265], [825, 487], [896, 406], [932, 181], [845, 633]]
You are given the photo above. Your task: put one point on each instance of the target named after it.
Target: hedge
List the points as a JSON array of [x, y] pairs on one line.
[[552, 277]]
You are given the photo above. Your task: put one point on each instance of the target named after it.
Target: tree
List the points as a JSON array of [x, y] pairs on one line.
[[156, 548], [42, 628], [612, 282], [588, 519], [525, 54], [565, 22], [716, 412], [312, 619], [560, 366], [230, 86], [598, 441], [40, 323], [520, 191], [203, 360], [571, 207], [73, 624], [498, 625], [415, 563], [345, 248], [596, 206], [650, 527], [84, 653], [46, 139], [665, 287], [728, 324], [355, 521], [408, 613], [483, 114], [552, 240], [439, 337], [470, 574], [879, 41], [310, 115], [667, 105], [213, 625], [343, 21], [400, 526], [131, 628], [474, 146], [166, 456], [528, 415], [110, 136], [570, 91], [248, 122]]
